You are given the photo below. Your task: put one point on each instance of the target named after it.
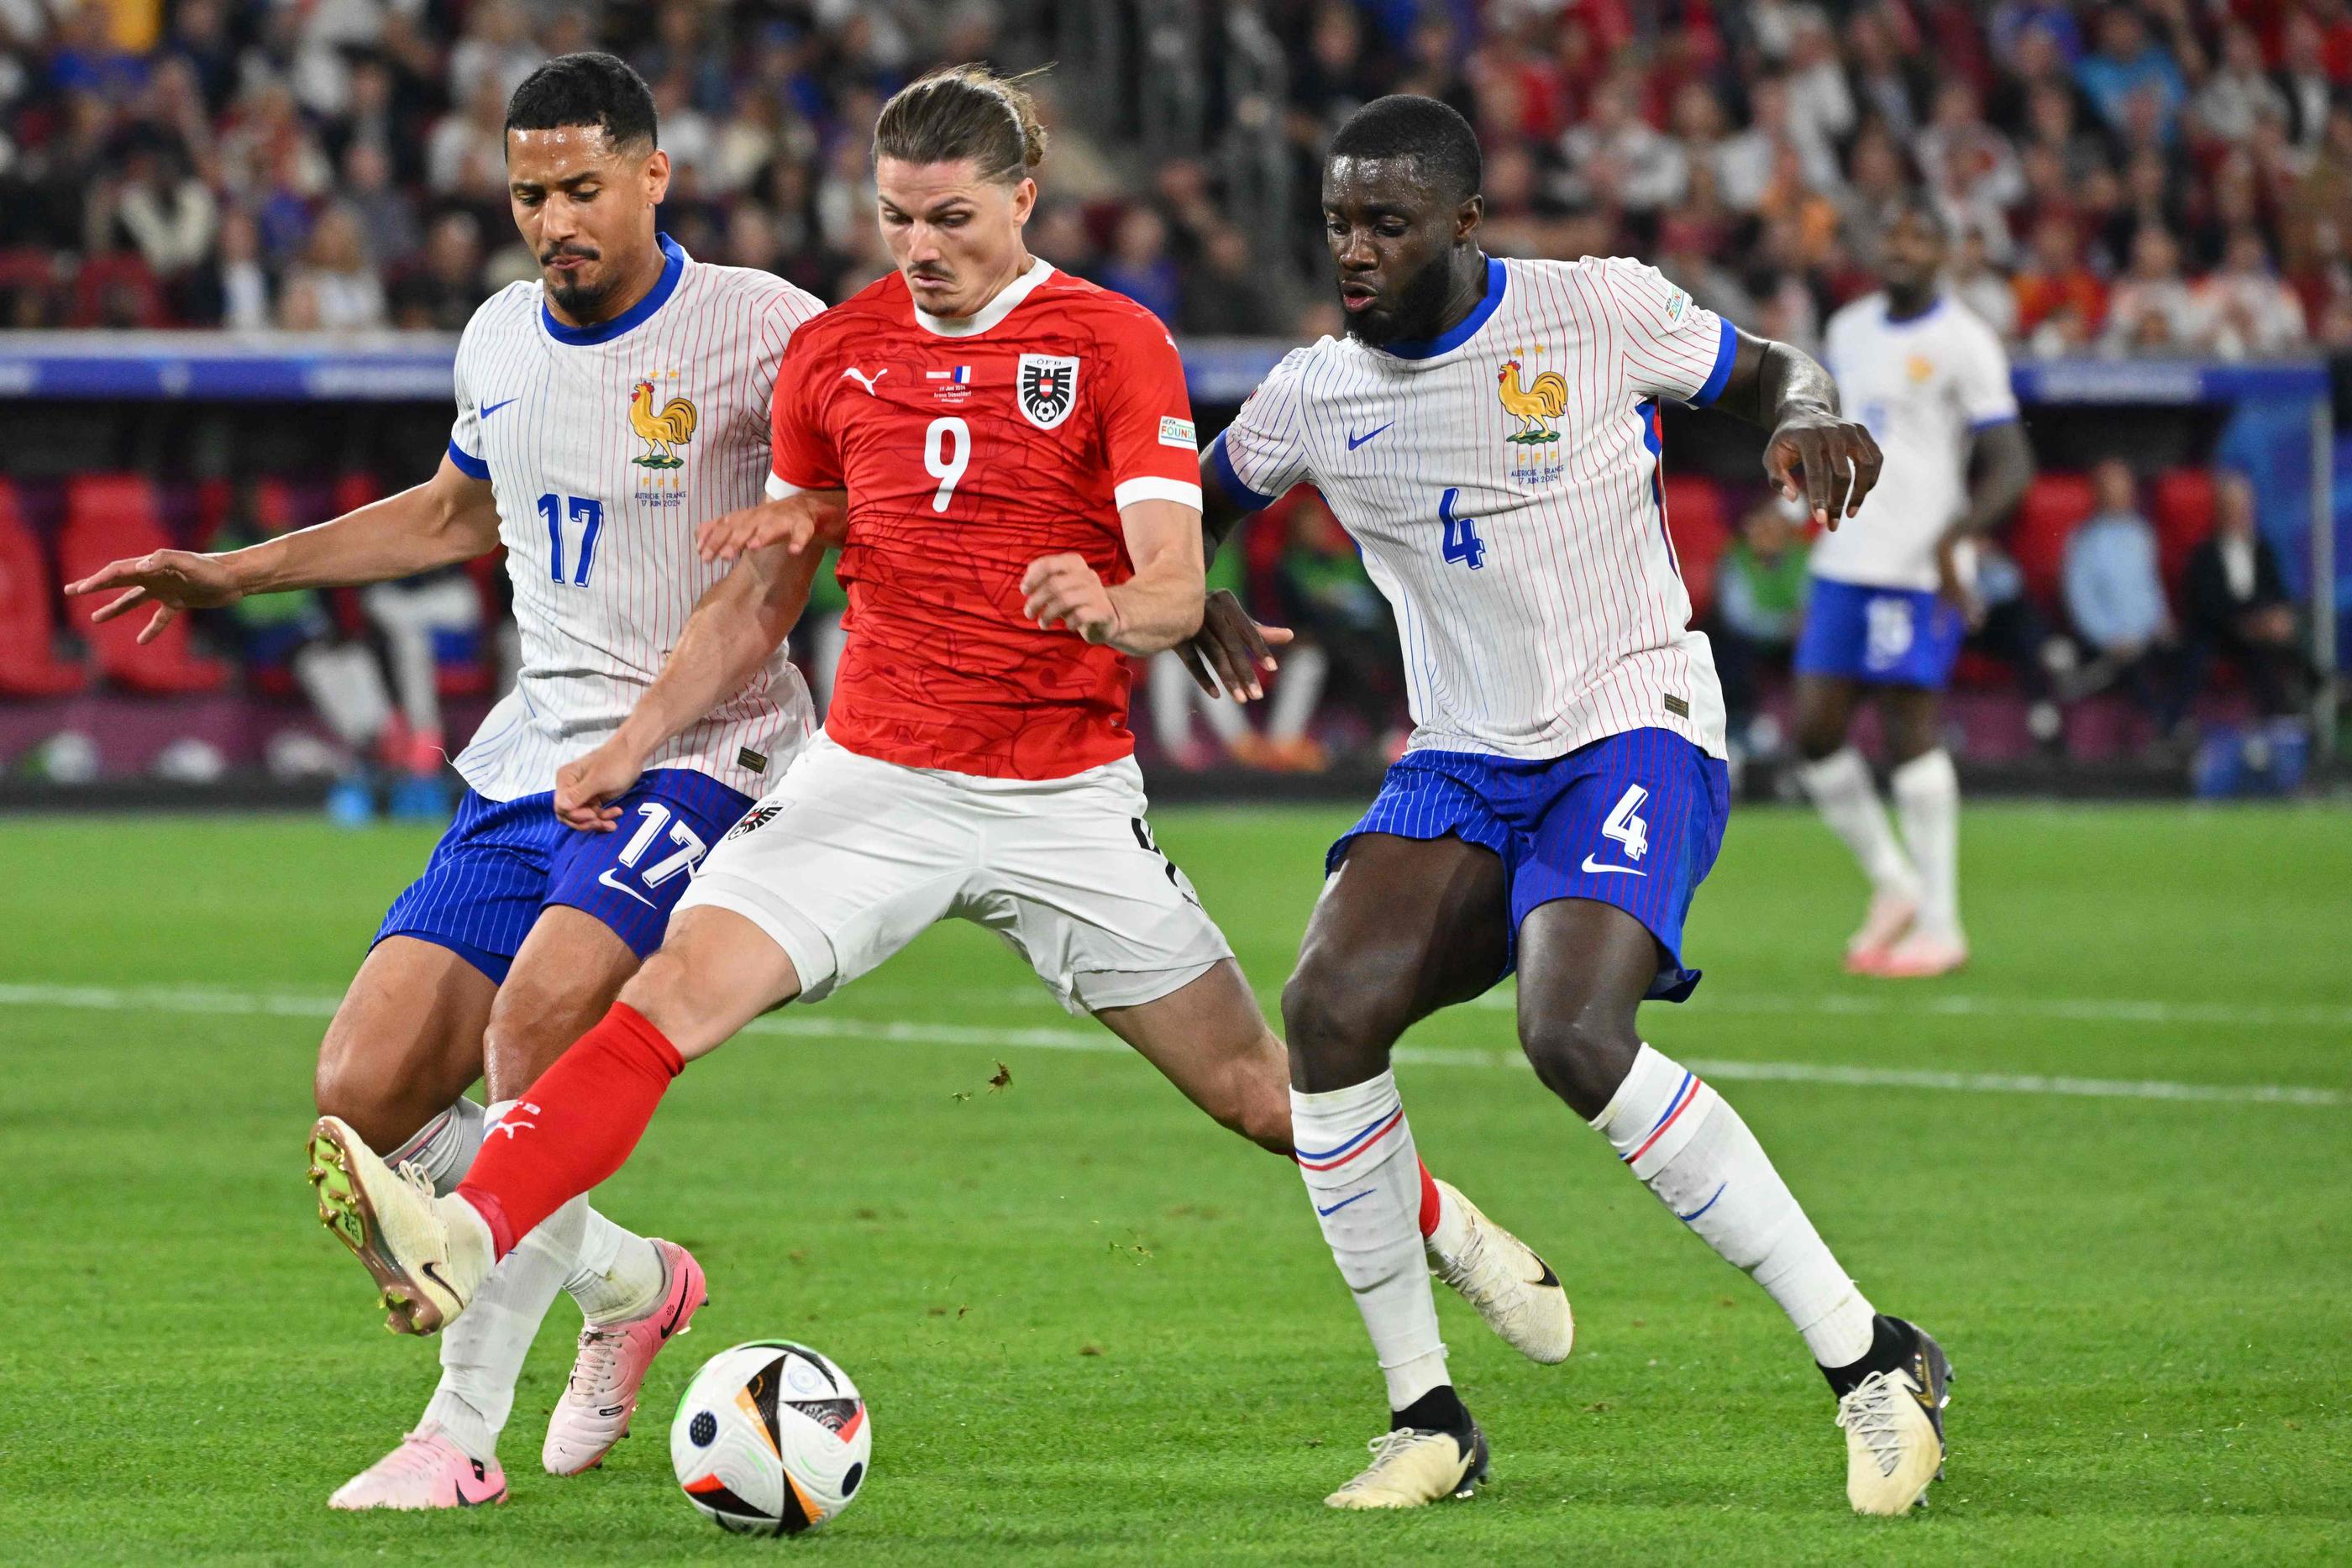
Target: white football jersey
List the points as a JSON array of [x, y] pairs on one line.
[[1924, 386], [607, 447], [1503, 481]]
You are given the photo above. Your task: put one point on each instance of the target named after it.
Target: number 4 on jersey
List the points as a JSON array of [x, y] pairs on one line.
[[1463, 545]]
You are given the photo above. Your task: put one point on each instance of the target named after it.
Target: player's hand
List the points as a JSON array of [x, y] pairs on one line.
[[1953, 588], [1227, 653], [1837, 459], [1064, 589], [585, 784], [812, 518], [170, 580]]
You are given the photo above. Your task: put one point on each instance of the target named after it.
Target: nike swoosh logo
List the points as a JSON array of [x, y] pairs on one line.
[[1611, 870], [1355, 441], [671, 1327], [493, 408], [465, 1501], [605, 876], [430, 1272], [1342, 1203]]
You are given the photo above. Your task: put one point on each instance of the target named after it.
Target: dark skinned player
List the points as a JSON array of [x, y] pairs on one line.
[[1893, 595], [1486, 430]]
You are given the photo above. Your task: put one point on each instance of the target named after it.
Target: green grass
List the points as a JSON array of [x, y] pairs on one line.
[[1093, 1327]]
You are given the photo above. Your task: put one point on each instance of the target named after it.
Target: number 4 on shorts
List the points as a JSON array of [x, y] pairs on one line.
[[1626, 828]]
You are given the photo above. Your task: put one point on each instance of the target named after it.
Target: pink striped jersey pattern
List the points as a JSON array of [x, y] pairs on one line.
[[1504, 482], [598, 511]]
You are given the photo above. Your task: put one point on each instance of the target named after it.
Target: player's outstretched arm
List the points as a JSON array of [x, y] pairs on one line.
[[803, 519], [1815, 456], [735, 626], [1152, 610], [449, 519]]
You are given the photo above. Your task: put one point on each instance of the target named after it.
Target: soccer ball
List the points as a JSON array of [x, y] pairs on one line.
[[770, 1439]]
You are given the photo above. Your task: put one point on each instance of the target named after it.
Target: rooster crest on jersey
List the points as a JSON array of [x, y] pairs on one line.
[[1535, 403], [1047, 388]]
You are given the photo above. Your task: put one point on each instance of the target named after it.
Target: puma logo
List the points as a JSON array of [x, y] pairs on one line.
[[509, 1127], [862, 378]]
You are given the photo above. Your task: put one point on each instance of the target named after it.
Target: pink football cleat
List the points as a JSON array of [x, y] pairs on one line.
[[427, 1470], [1890, 916], [611, 1368], [1920, 957]]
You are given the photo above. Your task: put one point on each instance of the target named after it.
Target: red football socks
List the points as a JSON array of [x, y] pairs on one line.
[[1429, 1203], [575, 1128]]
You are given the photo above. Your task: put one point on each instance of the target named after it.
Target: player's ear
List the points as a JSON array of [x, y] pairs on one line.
[[1468, 215], [1025, 200], [656, 177]]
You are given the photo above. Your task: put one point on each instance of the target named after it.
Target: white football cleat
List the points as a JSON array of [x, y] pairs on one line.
[[428, 1255], [1893, 1424], [427, 1470], [1411, 1468], [1889, 918], [1919, 957], [1513, 1288]]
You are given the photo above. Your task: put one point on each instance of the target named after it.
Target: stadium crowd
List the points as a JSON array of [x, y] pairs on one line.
[[2164, 177], [2168, 176]]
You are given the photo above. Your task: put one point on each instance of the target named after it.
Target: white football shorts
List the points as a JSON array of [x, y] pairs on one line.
[[850, 858]]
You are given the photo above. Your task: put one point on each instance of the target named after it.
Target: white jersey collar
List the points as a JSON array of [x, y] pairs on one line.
[[990, 314]]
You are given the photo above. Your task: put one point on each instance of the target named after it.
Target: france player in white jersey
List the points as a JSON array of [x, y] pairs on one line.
[[1892, 596], [1487, 431], [604, 414]]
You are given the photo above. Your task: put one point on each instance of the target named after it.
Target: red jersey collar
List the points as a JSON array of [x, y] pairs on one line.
[[990, 314]]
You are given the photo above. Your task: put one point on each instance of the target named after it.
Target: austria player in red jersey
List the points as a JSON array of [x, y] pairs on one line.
[[1022, 513]]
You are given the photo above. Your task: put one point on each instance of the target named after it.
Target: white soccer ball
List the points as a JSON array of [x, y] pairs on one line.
[[770, 1439]]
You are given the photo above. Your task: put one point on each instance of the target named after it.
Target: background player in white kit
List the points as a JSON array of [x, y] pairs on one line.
[[603, 416], [1487, 430], [1892, 594]]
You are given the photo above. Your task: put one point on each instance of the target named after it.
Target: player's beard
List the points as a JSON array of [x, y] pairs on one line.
[[1418, 306], [581, 298]]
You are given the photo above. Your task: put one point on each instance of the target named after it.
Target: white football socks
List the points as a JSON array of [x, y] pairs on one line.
[[1690, 1147], [1927, 797], [444, 1148], [482, 1353], [1355, 1149], [1841, 786]]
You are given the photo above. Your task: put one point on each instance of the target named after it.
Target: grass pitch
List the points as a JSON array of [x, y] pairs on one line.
[[2110, 1165]]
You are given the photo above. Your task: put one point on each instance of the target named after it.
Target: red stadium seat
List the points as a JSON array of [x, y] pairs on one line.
[[2054, 506], [109, 516], [29, 667], [2180, 505], [118, 290], [1696, 523]]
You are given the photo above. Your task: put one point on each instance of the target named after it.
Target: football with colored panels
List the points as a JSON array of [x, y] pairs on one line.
[[770, 1439]]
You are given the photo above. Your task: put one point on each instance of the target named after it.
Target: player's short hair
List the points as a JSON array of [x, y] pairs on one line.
[[586, 89], [1431, 134], [1919, 204], [959, 112]]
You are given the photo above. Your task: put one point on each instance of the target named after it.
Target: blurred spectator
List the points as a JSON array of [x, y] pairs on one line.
[[2247, 310], [385, 214], [441, 291], [2152, 311], [2061, 303], [1226, 293], [1141, 268], [157, 206], [1759, 602], [2129, 64], [2238, 604], [2239, 91], [1615, 158], [346, 293], [1976, 286], [2115, 599], [1328, 598]]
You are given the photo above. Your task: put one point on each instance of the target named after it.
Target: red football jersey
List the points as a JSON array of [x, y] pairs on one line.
[[969, 449]]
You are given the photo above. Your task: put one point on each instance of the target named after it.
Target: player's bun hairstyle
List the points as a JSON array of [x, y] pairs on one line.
[[1421, 130], [586, 89], [965, 111]]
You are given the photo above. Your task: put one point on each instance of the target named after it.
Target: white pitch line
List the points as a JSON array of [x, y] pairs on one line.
[[823, 1026]]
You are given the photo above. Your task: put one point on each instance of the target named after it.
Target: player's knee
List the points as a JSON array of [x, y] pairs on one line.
[[1581, 1052], [356, 1088], [1262, 1115], [1333, 1007], [664, 994], [1820, 733]]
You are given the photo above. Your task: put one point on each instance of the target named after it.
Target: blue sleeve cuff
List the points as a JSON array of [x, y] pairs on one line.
[[471, 466], [1726, 349], [1230, 483]]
